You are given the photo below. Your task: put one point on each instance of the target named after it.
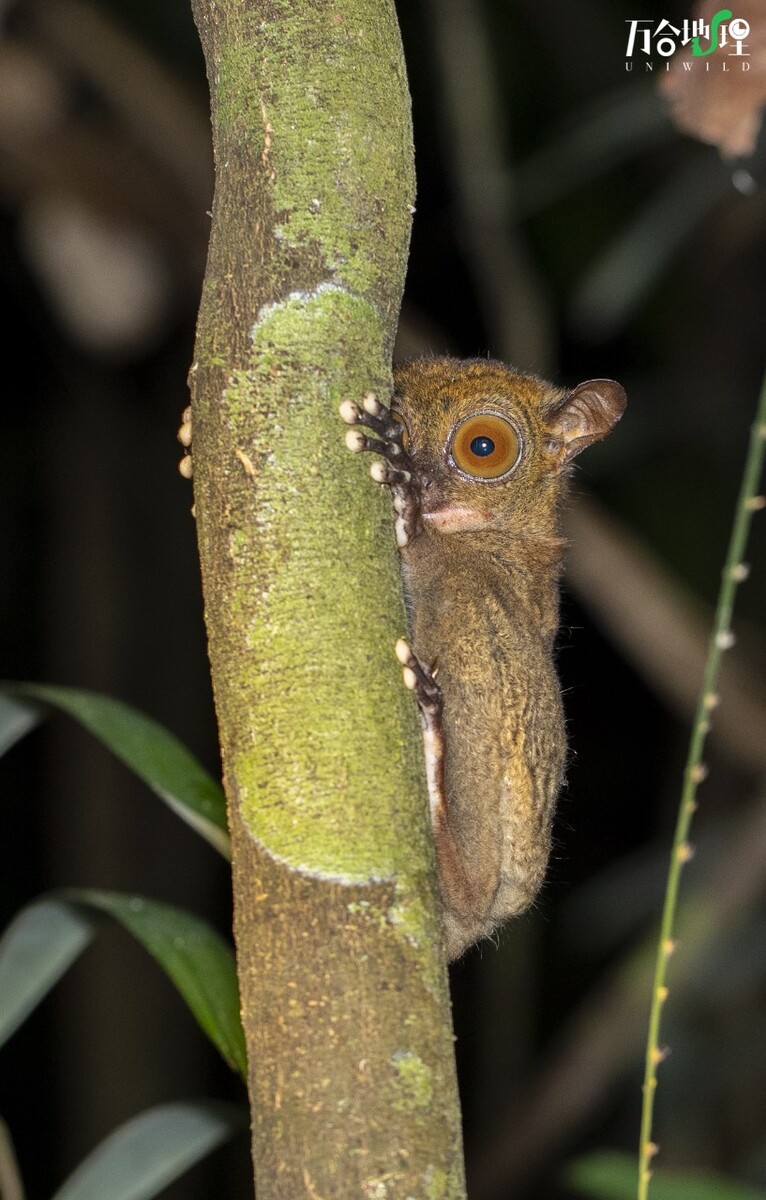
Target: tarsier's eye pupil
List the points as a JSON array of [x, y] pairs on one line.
[[485, 446]]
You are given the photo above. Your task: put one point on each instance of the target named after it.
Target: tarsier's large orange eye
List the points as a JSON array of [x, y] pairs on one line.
[[485, 446]]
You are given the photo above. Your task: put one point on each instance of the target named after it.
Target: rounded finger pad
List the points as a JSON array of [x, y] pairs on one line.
[[349, 412], [354, 440]]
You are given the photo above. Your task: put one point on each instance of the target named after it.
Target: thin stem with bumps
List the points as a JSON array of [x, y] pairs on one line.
[[734, 572]]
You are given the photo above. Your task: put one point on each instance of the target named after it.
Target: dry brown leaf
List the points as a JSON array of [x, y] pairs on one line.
[[722, 107]]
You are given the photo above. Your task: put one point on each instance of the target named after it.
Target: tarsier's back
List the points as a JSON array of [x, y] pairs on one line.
[[477, 489]]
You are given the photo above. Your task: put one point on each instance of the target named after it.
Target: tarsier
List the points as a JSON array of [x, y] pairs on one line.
[[476, 456]]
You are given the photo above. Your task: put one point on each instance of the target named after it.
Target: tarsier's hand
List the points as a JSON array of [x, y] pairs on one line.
[[396, 470]]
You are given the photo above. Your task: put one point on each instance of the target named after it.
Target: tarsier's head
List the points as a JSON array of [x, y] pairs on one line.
[[489, 445]]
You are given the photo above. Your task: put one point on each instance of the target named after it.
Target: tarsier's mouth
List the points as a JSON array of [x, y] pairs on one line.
[[455, 518]]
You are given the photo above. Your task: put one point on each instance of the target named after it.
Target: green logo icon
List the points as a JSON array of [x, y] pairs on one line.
[[723, 14]]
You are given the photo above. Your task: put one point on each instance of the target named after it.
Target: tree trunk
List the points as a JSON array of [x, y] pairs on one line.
[[344, 992]]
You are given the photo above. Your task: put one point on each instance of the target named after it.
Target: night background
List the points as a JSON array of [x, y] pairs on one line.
[[564, 223]]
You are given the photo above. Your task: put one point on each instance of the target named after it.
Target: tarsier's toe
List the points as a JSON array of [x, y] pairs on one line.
[[418, 678], [372, 405], [383, 472], [349, 412], [185, 432], [376, 417], [184, 435], [355, 441], [394, 468], [403, 652]]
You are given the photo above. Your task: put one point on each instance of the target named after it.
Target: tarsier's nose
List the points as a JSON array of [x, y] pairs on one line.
[[429, 491], [426, 477]]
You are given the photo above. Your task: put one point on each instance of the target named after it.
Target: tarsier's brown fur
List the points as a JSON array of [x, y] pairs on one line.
[[481, 578]]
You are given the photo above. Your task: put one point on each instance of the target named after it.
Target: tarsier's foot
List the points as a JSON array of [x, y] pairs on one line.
[[395, 470], [185, 438], [458, 901], [422, 683], [420, 680]]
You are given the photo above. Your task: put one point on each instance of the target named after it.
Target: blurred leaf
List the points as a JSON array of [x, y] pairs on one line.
[[151, 1150], [623, 898], [612, 1176], [602, 912], [623, 125], [16, 720], [737, 964], [197, 959], [641, 253], [47, 936], [11, 1186], [151, 751], [35, 951]]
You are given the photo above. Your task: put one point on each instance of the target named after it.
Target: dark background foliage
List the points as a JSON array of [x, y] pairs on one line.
[[562, 221]]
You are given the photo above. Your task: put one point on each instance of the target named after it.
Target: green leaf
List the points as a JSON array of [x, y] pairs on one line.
[[148, 749], [612, 1176], [48, 935], [151, 1150], [197, 959], [36, 949]]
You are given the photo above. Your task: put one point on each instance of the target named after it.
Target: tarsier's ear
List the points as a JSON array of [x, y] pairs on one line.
[[583, 417]]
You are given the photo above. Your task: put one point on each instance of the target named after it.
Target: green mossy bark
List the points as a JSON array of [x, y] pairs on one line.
[[344, 992]]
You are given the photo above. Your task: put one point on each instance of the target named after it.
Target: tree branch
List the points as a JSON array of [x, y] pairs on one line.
[[344, 993]]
